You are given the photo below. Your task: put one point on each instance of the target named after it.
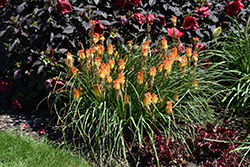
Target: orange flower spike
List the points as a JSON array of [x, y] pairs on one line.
[[110, 49], [174, 21], [164, 44], [116, 85], [154, 98], [76, 93], [96, 90], [121, 65], [167, 65], [195, 57], [109, 79], [175, 51], [136, 46], [87, 53], [102, 73], [183, 61], [126, 100], [99, 50], [69, 56], [116, 55], [98, 61], [107, 70], [81, 54], [147, 99], [188, 52], [121, 78], [132, 69], [111, 63], [69, 62], [169, 107], [196, 39], [130, 44], [91, 51], [140, 77], [195, 83], [176, 97], [103, 66], [92, 23], [152, 71], [160, 68], [102, 38], [74, 71], [146, 44], [96, 37], [144, 51]]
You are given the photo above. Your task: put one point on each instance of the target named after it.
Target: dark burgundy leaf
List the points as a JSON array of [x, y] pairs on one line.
[[72, 43], [40, 69], [151, 2], [79, 9], [105, 22], [58, 35], [198, 32], [68, 30], [176, 10], [21, 7], [2, 33], [96, 2], [86, 25], [62, 50], [38, 62], [11, 47], [50, 9], [165, 7]]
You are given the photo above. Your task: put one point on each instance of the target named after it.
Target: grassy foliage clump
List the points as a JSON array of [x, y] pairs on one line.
[[119, 95]]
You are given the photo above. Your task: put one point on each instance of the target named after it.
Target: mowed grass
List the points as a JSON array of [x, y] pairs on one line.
[[16, 151]]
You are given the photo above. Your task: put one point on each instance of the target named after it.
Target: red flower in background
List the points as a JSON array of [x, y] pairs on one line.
[[122, 3], [150, 18], [200, 47], [17, 105], [64, 6], [5, 86], [233, 8], [41, 131], [162, 20], [2, 3], [190, 23], [172, 31], [140, 18], [203, 12], [98, 27]]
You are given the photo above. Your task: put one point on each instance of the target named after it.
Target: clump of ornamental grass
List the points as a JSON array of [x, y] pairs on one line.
[[233, 56], [113, 97]]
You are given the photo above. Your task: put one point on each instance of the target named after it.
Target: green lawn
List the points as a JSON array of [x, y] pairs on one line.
[[16, 151]]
